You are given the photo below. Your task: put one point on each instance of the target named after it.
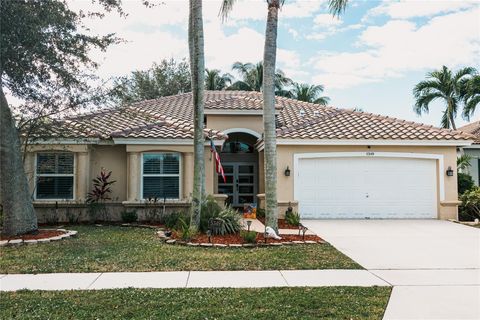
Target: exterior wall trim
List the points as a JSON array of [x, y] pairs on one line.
[[438, 157], [153, 141], [238, 112], [363, 142], [243, 130]]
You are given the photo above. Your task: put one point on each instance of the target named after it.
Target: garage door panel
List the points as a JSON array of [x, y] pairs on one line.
[[366, 187]]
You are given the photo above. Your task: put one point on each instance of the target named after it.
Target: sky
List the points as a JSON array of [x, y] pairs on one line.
[[370, 57]]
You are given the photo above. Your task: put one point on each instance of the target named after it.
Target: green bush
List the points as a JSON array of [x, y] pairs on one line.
[[129, 216], [292, 218], [249, 236], [210, 210], [470, 208], [171, 220], [260, 213], [465, 182], [185, 230], [230, 219]]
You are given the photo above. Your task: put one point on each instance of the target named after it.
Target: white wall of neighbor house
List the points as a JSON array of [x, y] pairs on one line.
[[447, 208], [473, 170]]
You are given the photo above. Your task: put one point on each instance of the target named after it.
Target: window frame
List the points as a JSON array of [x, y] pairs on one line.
[[73, 174], [179, 175]]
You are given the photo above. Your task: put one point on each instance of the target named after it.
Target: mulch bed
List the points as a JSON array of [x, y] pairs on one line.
[[282, 224], [42, 234], [237, 239]]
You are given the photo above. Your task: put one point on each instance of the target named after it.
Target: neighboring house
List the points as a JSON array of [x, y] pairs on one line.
[[332, 163], [473, 150]]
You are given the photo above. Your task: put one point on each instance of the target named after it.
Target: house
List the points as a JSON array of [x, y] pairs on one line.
[[473, 150], [332, 163]]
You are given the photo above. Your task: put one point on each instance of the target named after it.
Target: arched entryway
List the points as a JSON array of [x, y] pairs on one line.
[[240, 164]]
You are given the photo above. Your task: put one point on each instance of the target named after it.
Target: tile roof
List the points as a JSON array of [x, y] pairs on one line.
[[172, 118], [474, 129]]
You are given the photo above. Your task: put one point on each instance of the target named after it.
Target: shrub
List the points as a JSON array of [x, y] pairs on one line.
[[292, 218], [260, 213], [98, 195], [465, 182], [230, 221], [171, 220], [210, 210], [470, 208], [185, 230], [129, 216], [249, 236]]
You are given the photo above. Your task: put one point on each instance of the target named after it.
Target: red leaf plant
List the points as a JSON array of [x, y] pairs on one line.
[[101, 187]]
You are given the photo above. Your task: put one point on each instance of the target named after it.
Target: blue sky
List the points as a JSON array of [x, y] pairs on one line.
[[370, 58]]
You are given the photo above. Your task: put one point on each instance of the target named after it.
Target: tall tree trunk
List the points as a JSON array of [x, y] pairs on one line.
[[450, 115], [270, 148], [18, 214], [198, 87]]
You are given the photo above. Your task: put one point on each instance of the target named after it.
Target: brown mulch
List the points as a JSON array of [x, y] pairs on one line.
[[282, 224], [42, 234], [237, 239]]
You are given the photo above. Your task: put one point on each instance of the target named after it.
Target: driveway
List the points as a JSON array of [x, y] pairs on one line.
[[433, 265]]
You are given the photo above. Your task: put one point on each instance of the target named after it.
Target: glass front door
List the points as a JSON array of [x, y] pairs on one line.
[[241, 183]]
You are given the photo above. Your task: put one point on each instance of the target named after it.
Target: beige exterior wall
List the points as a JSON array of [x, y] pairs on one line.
[[125, 163], [112, 158], [224, 122], [446, 209]]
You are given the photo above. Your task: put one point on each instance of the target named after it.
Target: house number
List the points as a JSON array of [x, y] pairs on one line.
[[370, 153]]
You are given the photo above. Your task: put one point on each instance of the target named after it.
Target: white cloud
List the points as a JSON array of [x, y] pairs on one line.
[[404, 9], [400, 46], [327, 20], [293, 32]]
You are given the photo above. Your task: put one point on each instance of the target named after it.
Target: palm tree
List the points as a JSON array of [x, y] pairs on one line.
[[214, 80], [442, 85], [252, 77], [308, 93], [197, 66], [268, 86], [471, 96]]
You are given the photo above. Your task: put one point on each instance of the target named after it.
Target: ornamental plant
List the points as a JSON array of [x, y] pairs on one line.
[[99, 194]]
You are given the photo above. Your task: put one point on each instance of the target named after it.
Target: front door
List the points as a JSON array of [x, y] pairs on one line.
[[240, 185]]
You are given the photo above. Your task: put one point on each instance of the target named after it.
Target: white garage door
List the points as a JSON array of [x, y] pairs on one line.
[[366, 187]]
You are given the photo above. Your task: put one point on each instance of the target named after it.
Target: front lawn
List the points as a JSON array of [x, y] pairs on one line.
[[266, 303], [111, 248]]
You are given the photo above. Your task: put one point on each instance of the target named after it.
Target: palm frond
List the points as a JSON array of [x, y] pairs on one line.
[[337, 7], [423, 100], [226, 8], [463, 162]]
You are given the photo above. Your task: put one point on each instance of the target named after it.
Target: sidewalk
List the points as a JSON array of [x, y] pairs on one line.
[[190, 279]]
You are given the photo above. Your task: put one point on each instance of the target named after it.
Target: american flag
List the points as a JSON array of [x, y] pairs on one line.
[[218, 164]]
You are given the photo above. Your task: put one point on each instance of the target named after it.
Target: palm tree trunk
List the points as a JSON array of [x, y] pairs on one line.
[[270, 148], [18, 213], [197, 61], [450, 115]]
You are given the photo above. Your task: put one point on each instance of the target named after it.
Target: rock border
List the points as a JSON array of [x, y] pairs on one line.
[[19, 242], [167, 240]]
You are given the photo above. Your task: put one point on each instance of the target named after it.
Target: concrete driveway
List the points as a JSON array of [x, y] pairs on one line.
[[433, 265]]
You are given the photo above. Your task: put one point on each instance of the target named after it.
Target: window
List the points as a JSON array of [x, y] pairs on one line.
[[54, 175], [161, 175]]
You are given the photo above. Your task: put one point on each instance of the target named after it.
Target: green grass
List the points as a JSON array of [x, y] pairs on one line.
[[110, 249], [266, 303]]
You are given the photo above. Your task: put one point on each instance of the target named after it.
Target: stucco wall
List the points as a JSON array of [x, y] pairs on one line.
[[224, 122], [447, 208], [112, 158]]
